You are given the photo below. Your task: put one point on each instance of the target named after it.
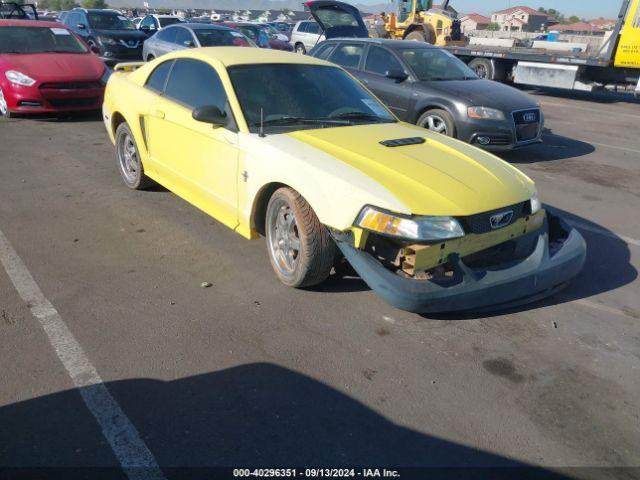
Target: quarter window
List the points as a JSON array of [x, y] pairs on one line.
[[158, 78], [167, 35], [348, 55], [380, 61], [195, 84]]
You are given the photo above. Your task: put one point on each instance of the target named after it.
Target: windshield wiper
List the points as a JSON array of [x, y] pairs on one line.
[[358, 115], [295, 120]]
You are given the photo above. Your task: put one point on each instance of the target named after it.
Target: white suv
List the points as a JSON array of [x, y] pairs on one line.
[[305, 35]]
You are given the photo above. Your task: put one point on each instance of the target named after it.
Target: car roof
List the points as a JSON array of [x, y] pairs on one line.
[[200, 26], [31, 23], [230, 56], [394, 44], [163, 16]]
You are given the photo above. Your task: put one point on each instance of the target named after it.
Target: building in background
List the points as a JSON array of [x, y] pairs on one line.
[[603, 23], [474, 21], [520, 19], [579, 28]]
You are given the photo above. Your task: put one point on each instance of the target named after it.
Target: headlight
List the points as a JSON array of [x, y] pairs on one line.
[[536, 206], [410, 228], [107, 40], [19, 78], [485, 113]]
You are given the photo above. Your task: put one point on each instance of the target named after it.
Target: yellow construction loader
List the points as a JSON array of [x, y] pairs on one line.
[[420, 20]]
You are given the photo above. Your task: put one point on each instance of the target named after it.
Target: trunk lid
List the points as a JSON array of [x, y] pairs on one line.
[[338, 19]]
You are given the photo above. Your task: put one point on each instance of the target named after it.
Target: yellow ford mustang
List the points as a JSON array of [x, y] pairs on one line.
[[294, 148]]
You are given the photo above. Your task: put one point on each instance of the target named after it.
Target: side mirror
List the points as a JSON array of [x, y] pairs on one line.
[[94, 49], [210, 114], [81, 26], [189, 44], [397, 75]]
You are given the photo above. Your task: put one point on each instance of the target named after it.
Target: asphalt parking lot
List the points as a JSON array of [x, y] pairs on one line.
[[249, 372]]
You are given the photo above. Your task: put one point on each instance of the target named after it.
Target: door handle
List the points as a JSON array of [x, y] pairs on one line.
[[158, 114]]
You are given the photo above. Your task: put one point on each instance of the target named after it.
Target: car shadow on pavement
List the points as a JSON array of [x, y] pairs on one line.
[[607, 267], [555, 147], [253, 415]]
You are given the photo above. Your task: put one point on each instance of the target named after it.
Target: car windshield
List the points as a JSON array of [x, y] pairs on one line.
[[39, 40], [221, 38], [433, 64], [289, 97], [255, 33], [166, 21], [110, 21]]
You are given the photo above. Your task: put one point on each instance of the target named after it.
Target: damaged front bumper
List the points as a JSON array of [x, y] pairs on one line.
[[558, 255]]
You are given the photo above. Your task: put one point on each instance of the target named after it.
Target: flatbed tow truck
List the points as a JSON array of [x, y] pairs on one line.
[[616, 66]]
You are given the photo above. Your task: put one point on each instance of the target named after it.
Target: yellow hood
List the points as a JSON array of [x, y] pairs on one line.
[[439, 177]]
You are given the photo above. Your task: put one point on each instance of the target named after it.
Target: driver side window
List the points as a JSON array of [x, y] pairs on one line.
[[381, 61], [183, 36], [194, 84]]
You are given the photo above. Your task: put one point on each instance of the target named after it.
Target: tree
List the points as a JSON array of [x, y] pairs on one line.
[[493, 27], [94, 4]]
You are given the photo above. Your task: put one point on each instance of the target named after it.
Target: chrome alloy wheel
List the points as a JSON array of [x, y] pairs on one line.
[[128, 157], [283, 237], [435, 123]]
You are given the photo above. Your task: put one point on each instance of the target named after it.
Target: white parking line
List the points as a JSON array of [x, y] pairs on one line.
[[624, 149], [606, 233], [130, 450]]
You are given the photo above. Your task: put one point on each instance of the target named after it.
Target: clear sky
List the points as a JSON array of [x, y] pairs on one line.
[[581, 8]]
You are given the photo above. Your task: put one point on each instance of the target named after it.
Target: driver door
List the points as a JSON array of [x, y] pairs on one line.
[[397, 95], [195, 160]]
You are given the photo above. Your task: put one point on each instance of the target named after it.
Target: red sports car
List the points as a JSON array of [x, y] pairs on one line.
[[45, 68]]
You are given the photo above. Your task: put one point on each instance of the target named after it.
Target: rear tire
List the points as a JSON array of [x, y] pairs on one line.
[[299, 48], [150, 58], [300, 248], [129, 161], [439, 121], [483, 68]]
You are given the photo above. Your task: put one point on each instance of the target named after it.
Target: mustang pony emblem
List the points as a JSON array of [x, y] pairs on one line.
[[501, 219]]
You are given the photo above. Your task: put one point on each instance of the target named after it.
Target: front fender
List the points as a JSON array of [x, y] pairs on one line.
[[336, 191]]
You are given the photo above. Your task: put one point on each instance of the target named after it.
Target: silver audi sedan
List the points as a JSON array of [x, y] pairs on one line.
[[192, 35]]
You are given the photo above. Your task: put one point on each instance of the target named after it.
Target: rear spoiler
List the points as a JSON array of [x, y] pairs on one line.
[[128, 66]]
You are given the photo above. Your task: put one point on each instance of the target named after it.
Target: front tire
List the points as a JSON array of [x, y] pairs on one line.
[[150, 58], [439, 121], [4, 106], [300, 248], [421, 36], [129, 161]]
